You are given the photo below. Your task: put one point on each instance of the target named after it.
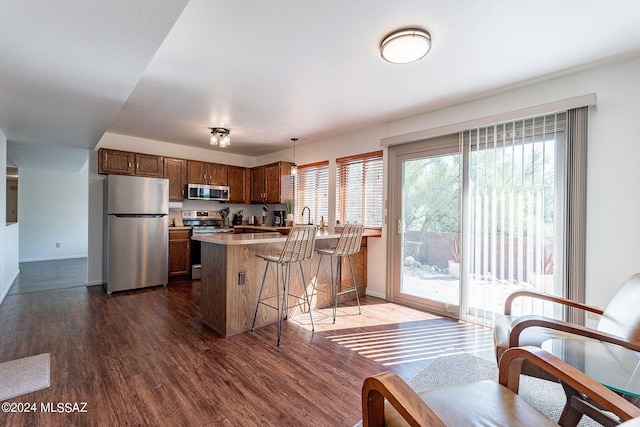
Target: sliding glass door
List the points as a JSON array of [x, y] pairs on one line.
[[475, 216], [427, 227]]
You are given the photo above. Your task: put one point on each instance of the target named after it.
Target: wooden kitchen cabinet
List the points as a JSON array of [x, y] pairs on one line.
[[119, 162], [258, 189], [175, 170], [207, 173], [218, 174], [239, 184], [179, 252], [115, 162], [271, 183], [197, 172], [149, 165]]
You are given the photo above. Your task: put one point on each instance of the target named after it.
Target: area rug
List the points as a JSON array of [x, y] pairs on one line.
[[454, 367], [22, 376]]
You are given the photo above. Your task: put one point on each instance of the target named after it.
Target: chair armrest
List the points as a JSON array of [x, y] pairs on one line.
[[388, 385], [509, 375], [546, 297], [529, 321]]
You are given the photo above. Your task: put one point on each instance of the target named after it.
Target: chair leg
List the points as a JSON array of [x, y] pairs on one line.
[[306, 295], [315, 284], [335, 287], [255, 315], [286, 276], [355, 285], [279, 304]]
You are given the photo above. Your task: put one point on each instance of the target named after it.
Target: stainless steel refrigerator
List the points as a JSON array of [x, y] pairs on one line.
[[136, 232]]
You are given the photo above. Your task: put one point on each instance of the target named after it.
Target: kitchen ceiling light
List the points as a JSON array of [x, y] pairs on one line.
[[294, 167], [220, 136], [406, 45]]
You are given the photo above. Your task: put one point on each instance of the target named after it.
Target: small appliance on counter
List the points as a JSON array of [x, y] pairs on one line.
[[279, 217], [252, 220], [237, 218]]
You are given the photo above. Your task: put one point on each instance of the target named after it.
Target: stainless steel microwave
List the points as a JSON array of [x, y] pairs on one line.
[[207, 192]]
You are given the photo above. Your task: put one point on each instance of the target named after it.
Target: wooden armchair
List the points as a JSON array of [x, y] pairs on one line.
[[619, 323], [487, 402]]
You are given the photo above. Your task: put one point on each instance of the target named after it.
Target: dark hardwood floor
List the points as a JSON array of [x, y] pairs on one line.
[[41, 276], [144, 358]]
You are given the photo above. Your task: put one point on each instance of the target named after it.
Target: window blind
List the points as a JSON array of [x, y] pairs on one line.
[[359, 189], [313, 191], [512, 178]]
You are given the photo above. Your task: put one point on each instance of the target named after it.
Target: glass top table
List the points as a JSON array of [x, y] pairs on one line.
[[615, 367]]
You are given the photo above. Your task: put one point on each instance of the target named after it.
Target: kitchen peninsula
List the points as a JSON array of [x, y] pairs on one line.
[[232, 274]]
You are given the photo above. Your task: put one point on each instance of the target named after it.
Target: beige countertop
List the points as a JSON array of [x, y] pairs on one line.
[[275, 237]]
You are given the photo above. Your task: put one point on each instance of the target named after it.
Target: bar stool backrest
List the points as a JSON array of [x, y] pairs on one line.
[[300, 244], [349, 241]]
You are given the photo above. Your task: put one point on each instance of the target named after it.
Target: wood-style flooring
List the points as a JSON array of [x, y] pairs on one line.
[[144, 358], [38, 276]]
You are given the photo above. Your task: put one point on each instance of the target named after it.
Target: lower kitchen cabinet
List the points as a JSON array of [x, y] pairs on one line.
[[179, 252]]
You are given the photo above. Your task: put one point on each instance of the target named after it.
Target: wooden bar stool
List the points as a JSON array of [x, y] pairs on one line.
[[298, 247], [348, 244]]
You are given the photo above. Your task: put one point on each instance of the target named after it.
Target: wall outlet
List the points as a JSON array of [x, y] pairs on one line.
[[242, 278], [58, 245]]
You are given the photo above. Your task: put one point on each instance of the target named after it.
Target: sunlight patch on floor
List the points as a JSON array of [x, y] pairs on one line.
[[348, 318], [404, 345]]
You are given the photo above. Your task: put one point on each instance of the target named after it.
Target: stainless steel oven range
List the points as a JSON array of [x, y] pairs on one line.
[[203, 223]]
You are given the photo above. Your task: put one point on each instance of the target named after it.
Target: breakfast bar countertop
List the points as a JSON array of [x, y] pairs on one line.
[[273, 237]]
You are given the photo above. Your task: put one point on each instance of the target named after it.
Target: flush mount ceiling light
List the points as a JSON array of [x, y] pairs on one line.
[[406, 45], [220, 136], [294, 167]]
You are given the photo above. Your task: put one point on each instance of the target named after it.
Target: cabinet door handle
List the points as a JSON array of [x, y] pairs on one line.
[[129, 164]]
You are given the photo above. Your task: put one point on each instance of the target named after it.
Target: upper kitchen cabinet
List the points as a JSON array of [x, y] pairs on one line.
[[126, 163], [207, 173], [116, 162], [271, 183], [239, 184], [149, 165], [258, 189], [175, 170]]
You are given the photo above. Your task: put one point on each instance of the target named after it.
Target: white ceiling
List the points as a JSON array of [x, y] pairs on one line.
[[277, 69]]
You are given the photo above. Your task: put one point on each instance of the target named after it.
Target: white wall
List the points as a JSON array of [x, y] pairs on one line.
[[9, 267], [52, 208], [613, 229]]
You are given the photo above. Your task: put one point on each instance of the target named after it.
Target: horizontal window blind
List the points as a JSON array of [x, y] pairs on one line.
[[313, 191], [359, 189]]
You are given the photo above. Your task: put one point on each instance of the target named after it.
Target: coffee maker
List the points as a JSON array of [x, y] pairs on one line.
[[278, 218]]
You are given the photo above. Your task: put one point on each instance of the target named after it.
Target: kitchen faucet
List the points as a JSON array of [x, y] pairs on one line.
[[307, 208]]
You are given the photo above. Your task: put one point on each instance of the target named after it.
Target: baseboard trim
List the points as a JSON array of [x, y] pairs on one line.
[[53, 259], [376, 294], [6, 291], [95, 283]]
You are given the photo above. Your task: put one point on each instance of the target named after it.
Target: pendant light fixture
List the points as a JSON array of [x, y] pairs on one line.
[[294, 167], [220, 136], [405, 45]]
